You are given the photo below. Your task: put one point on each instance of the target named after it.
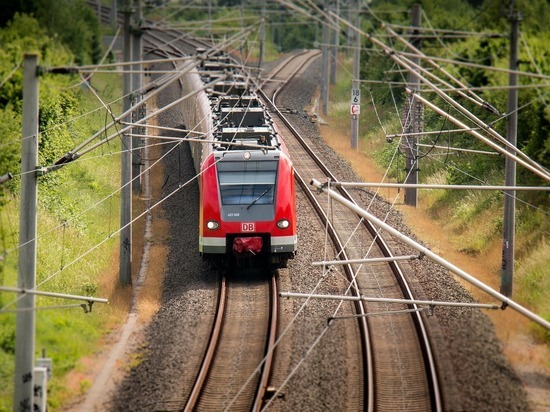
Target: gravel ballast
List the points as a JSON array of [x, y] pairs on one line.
[[308, 378]]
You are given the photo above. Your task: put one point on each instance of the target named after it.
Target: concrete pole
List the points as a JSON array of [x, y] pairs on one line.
[[136, 86], [507, 272], [262, 38], [334, 49], [413, 121], [350, 32], [325, 64], [125, 274], [356, 85], [25, 324], [114, 12]]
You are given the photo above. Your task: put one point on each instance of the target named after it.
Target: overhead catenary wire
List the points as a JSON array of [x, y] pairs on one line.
[[131, 125], [528, 165], [52, 294], [155, 87], [458, 149], [75, 153], [471, 97], [10, 74], [91, 67], [438, 38], [507, 302], [441, 186], [445, 31], [479, 66], [485, 183], [532, 61], [501, 87], [390, 300], [403, 61]]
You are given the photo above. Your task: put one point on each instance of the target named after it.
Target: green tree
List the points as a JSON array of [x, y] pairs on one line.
[[72, 22]]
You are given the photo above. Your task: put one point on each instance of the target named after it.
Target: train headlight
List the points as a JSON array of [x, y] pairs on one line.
[[283, 224], [247, 155], [212, 225]]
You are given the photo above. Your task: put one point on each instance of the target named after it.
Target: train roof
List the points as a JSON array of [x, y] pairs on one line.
[[255, 138], [245, 100], [253, 155]]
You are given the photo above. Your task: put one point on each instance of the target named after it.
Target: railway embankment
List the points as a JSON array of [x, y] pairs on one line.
[[528, 355]]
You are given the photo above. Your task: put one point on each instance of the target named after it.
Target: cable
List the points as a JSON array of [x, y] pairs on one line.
[[10, 74]]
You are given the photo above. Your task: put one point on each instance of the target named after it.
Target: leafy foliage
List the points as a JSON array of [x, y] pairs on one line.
[[476, 218], [60, 199], [491, 48], [72, 23], [58, 103]]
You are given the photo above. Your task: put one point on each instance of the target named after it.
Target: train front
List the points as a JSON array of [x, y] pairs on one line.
[[248, 208]]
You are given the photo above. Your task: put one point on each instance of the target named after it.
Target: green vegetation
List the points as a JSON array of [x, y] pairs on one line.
[[474, 218], [71, 23], [71, 218]]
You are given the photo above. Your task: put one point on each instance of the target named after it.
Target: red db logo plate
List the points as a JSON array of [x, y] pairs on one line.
[[247, 227]]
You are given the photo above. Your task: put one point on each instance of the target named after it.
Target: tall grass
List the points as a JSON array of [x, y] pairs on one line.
[[69, 228], [533, 284]]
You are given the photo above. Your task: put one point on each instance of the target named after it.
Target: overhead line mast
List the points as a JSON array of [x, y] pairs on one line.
[[125, 262], [413, 120], [507, 273], [25, 323]]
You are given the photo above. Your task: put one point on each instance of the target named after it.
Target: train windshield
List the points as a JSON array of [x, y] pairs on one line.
[[248, 182]]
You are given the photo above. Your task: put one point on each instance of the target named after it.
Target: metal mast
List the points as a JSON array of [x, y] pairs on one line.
[[507, 273]]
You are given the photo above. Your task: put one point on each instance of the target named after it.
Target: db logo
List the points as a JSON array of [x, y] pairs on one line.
[[247, 227]]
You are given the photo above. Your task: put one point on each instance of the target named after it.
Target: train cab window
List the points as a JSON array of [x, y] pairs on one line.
[[247, 183]]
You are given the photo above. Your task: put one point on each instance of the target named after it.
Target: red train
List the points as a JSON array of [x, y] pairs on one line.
[[247, 192]]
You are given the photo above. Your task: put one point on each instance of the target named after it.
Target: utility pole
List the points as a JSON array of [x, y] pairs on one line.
[[335, 44], [125, 273], [412, 121], [262, 38], [114, 13], [325, 52], [25, 324], [350, 32], [210, 18], [507, 272], [355, 108], [136, 86]]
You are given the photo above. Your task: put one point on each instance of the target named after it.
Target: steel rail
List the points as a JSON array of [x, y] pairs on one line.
[[367, 353], [429, 358], [211, 348], [270, 348]]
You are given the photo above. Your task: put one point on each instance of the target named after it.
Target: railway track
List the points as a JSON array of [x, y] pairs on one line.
[[398, 371], [392, 375], [234, 373], [399, 367]]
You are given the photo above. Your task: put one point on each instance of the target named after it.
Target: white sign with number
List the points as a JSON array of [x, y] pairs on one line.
[[355, 96], [355, 109]]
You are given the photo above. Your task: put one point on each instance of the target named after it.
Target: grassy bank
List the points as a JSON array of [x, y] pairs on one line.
[[78, 212]]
